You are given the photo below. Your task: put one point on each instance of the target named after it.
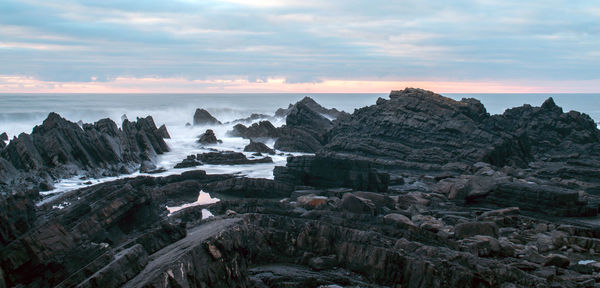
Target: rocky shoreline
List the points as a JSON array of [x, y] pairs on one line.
[[417, 190]]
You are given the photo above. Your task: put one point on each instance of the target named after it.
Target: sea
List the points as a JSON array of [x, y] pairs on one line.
[[19, 113]]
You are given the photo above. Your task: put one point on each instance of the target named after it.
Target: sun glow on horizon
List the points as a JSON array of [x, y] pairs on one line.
[[26, 84]]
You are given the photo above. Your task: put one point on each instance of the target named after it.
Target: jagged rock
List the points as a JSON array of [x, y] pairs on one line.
[[229, 158], [190, 161], [262, 129], [3, 139], [464, 230], [59, 148], [147, 167], [202, 117], [208, 137], [252, 117], [312, 105], [258, 147], [163, 132], [420, 129], [304, 130]]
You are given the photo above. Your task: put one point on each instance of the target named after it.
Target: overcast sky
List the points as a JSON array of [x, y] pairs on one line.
[[299, 46]]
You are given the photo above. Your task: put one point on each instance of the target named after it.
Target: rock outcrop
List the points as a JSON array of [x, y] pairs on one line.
[[262, 129], [208, 137], [304, 130], [327, 172], [202, 117], [420, 129], [59, 148], [312, 105], [3, 139]]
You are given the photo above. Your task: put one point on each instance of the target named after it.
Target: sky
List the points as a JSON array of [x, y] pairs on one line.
[[188, 46]]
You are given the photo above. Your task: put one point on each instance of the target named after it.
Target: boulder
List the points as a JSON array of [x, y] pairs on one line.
[[202, 117], [482, 246], [208, 137], [258, 147], [359, 205], [557, 260], [262, 129], [399, 220], [188, 162]]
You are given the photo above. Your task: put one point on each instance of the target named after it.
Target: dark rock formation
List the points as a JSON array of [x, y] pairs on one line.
[[418, 129], [208, 137], [251, 118], [312, 105], [550, 200], [202, 117], [250, 188], [258, 147], [190, 161], [304, 131], [323, 171], [262, 129], [163, 132], [229, 158], [59, 148], [92, 239], [3, 139]]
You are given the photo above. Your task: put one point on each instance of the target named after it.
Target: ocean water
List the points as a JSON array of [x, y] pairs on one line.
[[21, 112]]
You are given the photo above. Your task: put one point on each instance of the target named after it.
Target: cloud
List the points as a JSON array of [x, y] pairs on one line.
[[301, 41]]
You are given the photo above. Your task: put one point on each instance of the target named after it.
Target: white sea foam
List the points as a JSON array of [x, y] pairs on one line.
[[183, 143]]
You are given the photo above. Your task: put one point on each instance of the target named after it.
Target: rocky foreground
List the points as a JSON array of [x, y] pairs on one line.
[[415, 191]]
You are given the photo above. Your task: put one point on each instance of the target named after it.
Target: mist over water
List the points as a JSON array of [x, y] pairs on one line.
[[20, 112]]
